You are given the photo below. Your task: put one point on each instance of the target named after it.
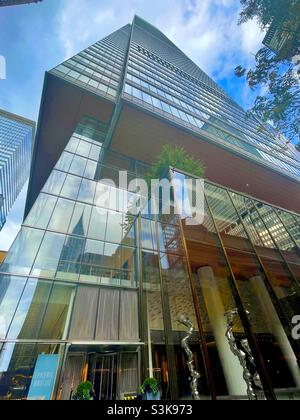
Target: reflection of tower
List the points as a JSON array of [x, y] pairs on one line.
[[79, 229], [72, 251], [97, 131]]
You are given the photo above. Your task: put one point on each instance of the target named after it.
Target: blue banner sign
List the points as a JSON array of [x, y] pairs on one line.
[[43, 380]]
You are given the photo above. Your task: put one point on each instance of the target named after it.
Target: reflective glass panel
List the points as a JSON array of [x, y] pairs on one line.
[[21, 256]]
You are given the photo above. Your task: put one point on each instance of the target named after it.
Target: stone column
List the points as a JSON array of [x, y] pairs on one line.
[[275, 326], [232, 369]]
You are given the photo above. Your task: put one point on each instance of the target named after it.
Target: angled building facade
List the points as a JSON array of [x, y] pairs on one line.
[[97, 295], [16, 145]]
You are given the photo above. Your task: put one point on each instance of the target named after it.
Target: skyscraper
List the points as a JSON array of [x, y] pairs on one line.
[[16, 144], [16, 2], [97, 295]]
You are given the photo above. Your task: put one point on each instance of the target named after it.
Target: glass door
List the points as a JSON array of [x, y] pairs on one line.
[[105, 375]]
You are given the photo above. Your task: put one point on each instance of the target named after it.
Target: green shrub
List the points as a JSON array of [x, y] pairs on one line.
[[83, 392], [150, 385]]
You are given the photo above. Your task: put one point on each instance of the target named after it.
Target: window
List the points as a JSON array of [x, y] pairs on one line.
[[70, 259], [95, 152], [175, 112], [147, 98], [29, 315], [84, 148], [156, 102], [144, 84], [49, 255], [136, 93], [183, 116], [87, 191], [62, 215], [114, 231], [74, 74], [102, 87], [72, 145], [92, 261], [102, 196], [71, 187], [91, 169], [41, 212], [80, 219], [62, 69], [21, 256], [55, 182], [93, 83], [56, 315], [111, 91], [64, 162], [200, 124], [11, 289], [84, 79], [97, 226], [166, 107], [78, 166]]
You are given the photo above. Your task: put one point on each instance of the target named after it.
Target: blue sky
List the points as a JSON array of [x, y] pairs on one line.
[[35, 38]]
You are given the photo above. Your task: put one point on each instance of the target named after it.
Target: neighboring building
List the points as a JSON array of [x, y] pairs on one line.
[[16, 144], [277, 38], [2, 213], [16, 2], [100, 292], [2, 256]]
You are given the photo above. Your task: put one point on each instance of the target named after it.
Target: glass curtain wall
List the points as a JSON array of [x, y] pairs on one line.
[[244, 257], [71, 274], [83, 270]]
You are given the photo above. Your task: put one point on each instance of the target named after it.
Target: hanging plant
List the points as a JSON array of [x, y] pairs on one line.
[[175, 157]]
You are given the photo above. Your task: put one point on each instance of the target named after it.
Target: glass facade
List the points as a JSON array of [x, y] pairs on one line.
[[98, 292], [92, 276], [162, 79], [16, 143], [99, 68]]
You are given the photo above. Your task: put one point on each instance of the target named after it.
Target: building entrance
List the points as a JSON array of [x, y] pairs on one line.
[[103, 373], [114, 375]]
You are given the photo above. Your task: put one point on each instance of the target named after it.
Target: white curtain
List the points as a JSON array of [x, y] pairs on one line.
[[84, 315], [108, 315]]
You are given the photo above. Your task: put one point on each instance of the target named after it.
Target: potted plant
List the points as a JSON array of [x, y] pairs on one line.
[[84, 392], [150, 389]]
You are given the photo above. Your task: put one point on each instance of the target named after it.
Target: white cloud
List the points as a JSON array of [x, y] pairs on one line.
[[8, 234], [13, 223], [206, 30], [251, 37]]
